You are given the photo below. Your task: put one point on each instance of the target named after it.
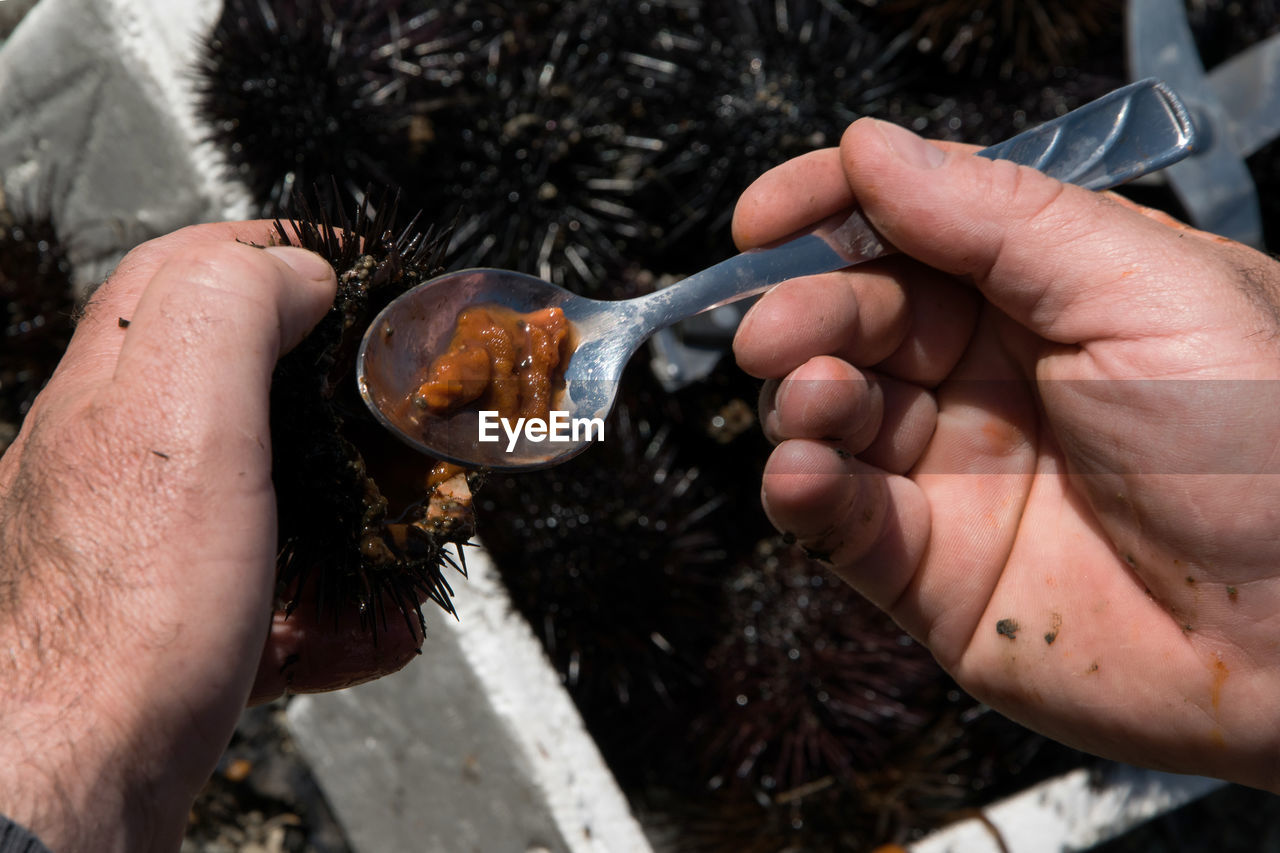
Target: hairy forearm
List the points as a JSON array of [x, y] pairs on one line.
[[78, 763], [77, 789]]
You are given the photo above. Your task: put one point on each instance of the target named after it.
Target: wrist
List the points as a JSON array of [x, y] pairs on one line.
[[79, 787], [81, 764]]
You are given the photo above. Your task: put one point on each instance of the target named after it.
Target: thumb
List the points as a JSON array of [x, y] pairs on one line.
[[1069, 264], [211, 323]]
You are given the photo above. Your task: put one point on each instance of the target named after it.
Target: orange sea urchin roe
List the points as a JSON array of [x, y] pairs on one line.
[[499, 359]]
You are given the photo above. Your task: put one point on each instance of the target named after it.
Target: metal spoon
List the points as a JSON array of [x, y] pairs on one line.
[[1134, 130]]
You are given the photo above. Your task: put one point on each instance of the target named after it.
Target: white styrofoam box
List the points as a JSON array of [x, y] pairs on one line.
[[475, 746], [1072, 812], [97, 121]]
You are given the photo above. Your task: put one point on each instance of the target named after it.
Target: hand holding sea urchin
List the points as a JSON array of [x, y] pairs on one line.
[[364, 521]]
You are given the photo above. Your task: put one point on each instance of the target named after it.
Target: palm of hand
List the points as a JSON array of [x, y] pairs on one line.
[[1077, 563]]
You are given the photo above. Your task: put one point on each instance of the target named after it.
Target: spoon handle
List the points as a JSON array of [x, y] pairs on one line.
[[1130, 132]]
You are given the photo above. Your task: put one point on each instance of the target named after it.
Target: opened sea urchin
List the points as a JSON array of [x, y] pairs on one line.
[[363, 520]]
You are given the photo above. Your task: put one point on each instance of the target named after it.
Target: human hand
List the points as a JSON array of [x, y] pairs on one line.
[[138, 545], [1043, 439]]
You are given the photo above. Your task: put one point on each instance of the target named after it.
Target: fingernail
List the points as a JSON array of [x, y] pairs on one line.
[[306, 264], [781, 393], [912, 150]]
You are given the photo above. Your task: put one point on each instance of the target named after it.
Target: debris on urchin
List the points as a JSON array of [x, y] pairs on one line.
[[37, 299], [297, 91], [364, 521]]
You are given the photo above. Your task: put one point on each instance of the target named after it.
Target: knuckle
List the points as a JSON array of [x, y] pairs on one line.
[[1026, 195], [138, 265], [222, 282], [225, 266], [1035, 210], [144, 258]]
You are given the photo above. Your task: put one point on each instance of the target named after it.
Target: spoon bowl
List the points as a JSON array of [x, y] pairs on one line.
[[1134, 130], [416, 327]]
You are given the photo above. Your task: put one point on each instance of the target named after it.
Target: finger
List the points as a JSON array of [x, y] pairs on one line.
[[871, 526], [213, 320], [975, 473], [940, 323], [860, 318], [784, 199], [908, 423], [90, 358], [798, 193], [116, 297], [1062, 261], [310, 653], [910, 321], [886, 423], [824, 399]]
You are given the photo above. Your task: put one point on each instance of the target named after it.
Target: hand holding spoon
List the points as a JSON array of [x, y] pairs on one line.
[[1134, 130]]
